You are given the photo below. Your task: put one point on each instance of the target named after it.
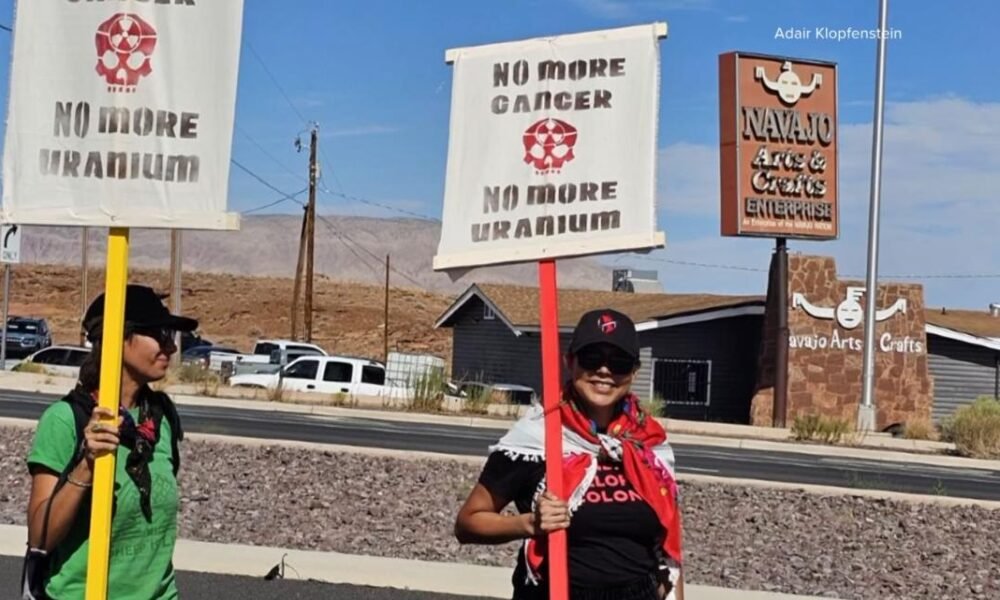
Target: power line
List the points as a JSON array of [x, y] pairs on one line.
[[269, 155], [377, 258], [258, 177], [684, 263], [333, 229], [293, 197], [845, 275], [402, 211], [274, 80], [6, 28]]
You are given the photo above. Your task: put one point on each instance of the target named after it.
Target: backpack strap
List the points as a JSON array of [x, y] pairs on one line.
[[176, 430], [81, 416], [82, 404]]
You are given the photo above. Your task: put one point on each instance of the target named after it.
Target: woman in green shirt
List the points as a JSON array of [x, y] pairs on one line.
[[61, 462]]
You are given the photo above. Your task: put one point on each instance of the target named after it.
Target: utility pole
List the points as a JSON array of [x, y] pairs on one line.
[[175, 288], [386, 332], [297, 288], [311, 233], [84, 294]]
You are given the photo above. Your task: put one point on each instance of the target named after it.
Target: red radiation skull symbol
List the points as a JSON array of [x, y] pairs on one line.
[[548, 144], [125, 45]]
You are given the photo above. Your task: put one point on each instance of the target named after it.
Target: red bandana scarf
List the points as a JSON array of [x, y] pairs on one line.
[[633, 439]]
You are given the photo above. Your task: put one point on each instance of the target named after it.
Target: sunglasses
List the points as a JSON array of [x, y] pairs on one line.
[[162, 335], [592, 359]]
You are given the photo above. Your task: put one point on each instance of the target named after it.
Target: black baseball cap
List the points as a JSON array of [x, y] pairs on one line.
[[143, 308], [606, 326]]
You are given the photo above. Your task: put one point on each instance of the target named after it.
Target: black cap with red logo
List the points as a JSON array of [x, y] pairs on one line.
[[606, 326]]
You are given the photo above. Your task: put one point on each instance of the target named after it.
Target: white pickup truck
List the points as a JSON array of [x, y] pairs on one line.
[[265, 354], [325, 375]]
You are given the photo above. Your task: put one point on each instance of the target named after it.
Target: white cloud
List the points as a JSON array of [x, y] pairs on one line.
[[940, 205]]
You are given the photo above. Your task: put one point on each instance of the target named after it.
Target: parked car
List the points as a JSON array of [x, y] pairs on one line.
[[27, 335], [325, 375], [202, 355], [61, 361], [191, 340]]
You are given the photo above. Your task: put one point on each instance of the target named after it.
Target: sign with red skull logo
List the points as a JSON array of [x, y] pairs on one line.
[[552, 149], [122, 114], [125, 44]]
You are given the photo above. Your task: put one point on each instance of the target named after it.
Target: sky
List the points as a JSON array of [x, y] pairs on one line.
[[372, 75]]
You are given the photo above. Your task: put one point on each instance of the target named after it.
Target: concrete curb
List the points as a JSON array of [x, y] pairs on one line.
[[332, 567], [820, 490], [680, 432]]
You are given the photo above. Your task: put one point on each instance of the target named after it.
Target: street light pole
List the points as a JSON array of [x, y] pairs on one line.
[[866, 411]]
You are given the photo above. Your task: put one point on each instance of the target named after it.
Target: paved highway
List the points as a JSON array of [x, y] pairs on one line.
[[453, 439], [203, 586]]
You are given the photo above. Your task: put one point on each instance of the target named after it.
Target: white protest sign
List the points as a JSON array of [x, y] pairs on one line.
[[121, 113], [552, 148]]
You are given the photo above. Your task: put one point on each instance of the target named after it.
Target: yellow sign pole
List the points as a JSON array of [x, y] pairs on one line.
[[116, 278]]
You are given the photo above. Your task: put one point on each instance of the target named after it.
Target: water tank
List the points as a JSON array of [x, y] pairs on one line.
[[995, 309]]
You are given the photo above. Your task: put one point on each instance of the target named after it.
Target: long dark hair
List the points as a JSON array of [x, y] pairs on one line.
[[90, 370]]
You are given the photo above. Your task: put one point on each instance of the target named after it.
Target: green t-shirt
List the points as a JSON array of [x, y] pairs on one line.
[[141, 555]]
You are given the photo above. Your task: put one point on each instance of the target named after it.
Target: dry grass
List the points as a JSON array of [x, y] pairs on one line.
[[816, 428], [920, 429], [29, 367], [975, 429]]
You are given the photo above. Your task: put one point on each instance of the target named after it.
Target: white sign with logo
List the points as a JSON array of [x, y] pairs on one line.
[[849, 314], [10, 244], [121, 113], [552, 148]]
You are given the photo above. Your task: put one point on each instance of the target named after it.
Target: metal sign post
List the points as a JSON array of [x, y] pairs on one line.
[[10, 253]]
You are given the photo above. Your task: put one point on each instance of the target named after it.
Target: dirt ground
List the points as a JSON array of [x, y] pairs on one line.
[[236, 310]]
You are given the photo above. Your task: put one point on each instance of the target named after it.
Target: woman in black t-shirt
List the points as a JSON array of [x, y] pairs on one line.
[[619, 502]]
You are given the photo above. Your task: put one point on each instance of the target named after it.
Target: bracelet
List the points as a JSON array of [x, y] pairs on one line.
[[77, 483]]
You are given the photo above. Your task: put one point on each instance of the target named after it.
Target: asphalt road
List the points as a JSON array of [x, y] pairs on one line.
[[452, 439], [202, 586]]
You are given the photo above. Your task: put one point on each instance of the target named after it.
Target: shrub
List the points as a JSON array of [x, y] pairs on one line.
[[479, 397], [655, 407], [428, 391], [975, 429], [817, 428], [920, 429], [29, 367]]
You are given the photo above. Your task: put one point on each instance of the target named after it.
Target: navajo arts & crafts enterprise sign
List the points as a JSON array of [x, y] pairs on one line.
[[778, 155], [552, 148], [121, 113]]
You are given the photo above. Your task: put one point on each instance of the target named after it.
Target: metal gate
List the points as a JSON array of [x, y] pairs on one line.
[[685, 387]]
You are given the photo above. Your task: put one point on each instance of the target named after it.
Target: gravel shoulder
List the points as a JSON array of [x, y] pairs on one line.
[[735, 536]]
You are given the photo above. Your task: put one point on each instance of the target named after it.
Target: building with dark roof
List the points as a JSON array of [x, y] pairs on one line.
[[706, 356]]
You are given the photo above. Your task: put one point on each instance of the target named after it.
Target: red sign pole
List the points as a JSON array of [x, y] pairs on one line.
[[551, 395]]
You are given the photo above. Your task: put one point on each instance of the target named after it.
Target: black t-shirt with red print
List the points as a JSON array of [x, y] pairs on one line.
[[613, 537]]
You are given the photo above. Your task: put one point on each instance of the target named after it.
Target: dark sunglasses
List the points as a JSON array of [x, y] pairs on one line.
[[162, 335], [592, 359]]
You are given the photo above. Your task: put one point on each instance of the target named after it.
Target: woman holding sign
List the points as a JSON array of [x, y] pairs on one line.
[[69, 438], [619, 504]]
